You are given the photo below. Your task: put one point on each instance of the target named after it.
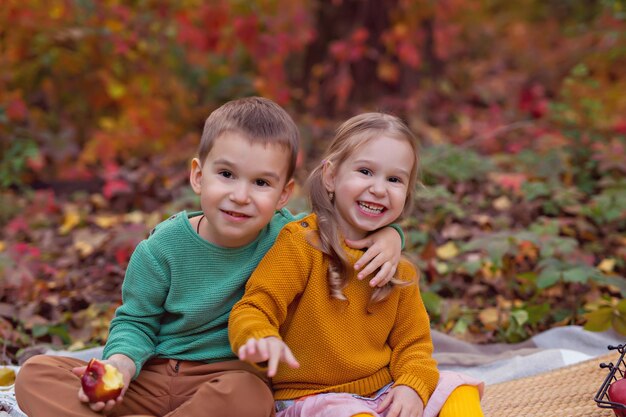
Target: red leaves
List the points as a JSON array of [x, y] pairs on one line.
[[17, 225], [247, 30], [114, 183], [16, 109], [532, 100], [24, 250], [351, 49], [114, 187], [610, 155], [202, 28], [408, 54], [509, 181]]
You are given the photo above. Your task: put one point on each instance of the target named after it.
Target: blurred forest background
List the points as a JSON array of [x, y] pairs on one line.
[[520, 106]]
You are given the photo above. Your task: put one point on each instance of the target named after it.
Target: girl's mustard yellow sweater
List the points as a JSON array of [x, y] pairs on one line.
[[342, 346]]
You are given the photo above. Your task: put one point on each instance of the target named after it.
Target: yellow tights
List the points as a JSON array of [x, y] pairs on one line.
[[464, 401]]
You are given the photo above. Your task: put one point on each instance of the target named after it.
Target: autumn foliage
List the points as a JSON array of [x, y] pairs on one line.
[[520, 106]]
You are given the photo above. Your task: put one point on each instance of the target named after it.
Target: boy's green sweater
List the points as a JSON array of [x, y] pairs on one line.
[[178, 292]]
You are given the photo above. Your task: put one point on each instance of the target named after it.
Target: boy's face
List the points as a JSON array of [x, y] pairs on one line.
[[240, 185]]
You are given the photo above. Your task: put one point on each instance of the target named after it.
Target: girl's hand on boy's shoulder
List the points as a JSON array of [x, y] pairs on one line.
[[384, 249], [123, 364], [402, 401], [270, 349]]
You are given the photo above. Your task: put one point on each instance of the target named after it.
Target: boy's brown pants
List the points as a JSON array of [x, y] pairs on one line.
[[46, 387]]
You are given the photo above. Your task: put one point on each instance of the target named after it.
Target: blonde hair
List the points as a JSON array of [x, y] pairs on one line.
[[349, 137], [258, 119]]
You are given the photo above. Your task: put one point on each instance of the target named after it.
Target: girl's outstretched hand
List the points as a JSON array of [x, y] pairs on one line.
[[270, 349], [402, 401], [384, 248]]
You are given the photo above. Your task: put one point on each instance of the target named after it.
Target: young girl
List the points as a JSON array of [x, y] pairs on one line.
[[360, 351]]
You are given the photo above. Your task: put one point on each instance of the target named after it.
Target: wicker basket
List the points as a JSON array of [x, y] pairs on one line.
[[564, 392]]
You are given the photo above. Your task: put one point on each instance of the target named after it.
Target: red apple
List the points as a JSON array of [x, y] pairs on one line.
[[617, 394], [101, 381]]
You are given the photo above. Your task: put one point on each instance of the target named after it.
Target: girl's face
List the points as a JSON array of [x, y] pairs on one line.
[[371, 185]]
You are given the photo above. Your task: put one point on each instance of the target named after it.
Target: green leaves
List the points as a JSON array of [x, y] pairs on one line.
[[606, 317], [453, 163], [554, 270], [17, 156]]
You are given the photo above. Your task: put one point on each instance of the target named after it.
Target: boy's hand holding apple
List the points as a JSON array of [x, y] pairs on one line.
[[103, 383]]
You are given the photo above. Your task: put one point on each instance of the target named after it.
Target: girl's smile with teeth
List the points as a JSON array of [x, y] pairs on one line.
[[371, 208]]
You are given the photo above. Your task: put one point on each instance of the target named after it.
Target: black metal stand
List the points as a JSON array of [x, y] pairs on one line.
[[616, 372]]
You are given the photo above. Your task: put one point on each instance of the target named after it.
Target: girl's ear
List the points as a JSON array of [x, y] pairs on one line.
[[195, 176], [328, 177]]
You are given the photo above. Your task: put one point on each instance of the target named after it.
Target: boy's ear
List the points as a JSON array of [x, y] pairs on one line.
[[195, 175], [328, 177], [285, 194]]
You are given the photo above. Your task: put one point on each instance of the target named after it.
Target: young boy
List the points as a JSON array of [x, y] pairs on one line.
[[169, 338]]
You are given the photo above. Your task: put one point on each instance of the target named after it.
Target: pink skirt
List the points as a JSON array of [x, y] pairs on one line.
[[346, 405], [333, 404]]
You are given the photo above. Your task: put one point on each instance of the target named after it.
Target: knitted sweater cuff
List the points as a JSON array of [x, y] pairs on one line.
[[256, 334], [416, 384], [138, 361], [241, 339]]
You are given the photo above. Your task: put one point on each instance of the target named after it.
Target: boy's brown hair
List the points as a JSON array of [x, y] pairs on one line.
[[258, 119]]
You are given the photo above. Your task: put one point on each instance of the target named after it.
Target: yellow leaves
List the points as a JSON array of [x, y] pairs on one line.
[[490, 317], [107, 123], [152, 220], [490, 272], [143, 46], [76, 346], [3, 246], [400, 30], [71, 219], [423, 129], [388, 72], [114, 25], [93, 322], [502, 203], [106, 221], [441, 268], [56, 11], [447, 251], [606, 315], [607, 265], [116, 90], [136, 217], [87, 241]]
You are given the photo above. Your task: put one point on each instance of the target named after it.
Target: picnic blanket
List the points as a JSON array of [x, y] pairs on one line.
[[564, 392], [552, 350], [501, 362]]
